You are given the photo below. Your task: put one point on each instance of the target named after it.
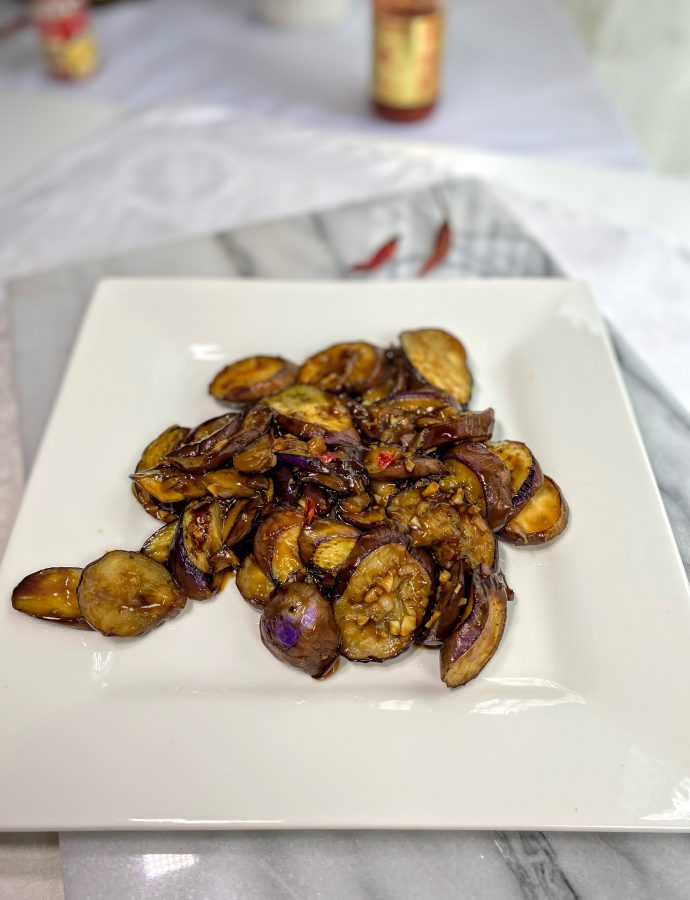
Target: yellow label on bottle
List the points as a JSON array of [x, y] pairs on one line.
[[407, 59]]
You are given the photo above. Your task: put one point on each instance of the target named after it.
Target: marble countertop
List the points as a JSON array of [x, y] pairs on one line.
[[46, 310]]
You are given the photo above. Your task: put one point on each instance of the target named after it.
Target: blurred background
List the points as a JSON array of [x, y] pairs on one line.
[[216, 50]]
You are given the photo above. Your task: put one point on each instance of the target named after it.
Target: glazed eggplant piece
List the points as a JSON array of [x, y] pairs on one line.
[[157, 547], [219, 448], [306, 411], [259, 457], [446, 525], [494, 476], [198, 538], [362, 511], [298, 627], [383, 592], [473, 642], [525, 472], [276, 545], [209, 427], [125, 593], [397, 418], [395, 380], [337, 471], [51, 595], [153, 453], [447, 607], [543, 518], [348, 368], [318, 496], [169, 486], [438, 359], [325, 546], [229, 484], [252, 583], [466, 425], [239, 520], [387, 462], [252, 379]]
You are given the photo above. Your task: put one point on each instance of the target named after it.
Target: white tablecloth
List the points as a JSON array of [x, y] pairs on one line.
[[516, 77]]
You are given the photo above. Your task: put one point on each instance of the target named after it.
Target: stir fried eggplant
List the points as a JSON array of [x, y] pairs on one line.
[[50, 594], [275, 545], [438, 359], [473, 642], [383, 592], [324, 547], [124, 594], [542, 519], [494, 476], [198, 538], [157, 547], [345, 368], [299, 628], [221, 446], [153, 453], [251, 379], [356, 498], [448, 605], [525, 472], [306, 411], [254, 585]]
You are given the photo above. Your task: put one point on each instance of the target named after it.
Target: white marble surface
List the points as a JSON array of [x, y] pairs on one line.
[[516, 77], [355, 864]]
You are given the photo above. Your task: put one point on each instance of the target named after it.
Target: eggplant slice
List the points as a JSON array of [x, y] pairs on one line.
[[543, 518], [383, 595], [157, 547], [252, 379], [448, 606], [438, 359], [325, 546], [51, 595], [525, 472], [198, 539], [252, 583], [276, 545], [169, 486], [494, 476], [298, 627], [153, 453], [124, 594], [386, 462], [345, 368], [219, 448], [473, 642], [306, 411]]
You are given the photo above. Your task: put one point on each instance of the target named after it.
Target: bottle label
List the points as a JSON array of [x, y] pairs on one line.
[[407, 59]]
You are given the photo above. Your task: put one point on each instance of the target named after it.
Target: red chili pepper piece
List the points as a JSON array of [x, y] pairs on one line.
[[384, 459], [382, 255], [327, 457], [309, 510], [440, 251]]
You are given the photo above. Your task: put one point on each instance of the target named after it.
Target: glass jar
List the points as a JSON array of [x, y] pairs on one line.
[[408, 45]]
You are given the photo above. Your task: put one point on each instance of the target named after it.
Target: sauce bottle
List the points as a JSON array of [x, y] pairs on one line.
[[408, 43]]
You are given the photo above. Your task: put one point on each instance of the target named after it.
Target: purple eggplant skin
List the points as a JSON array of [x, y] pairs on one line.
[[468, 426], [494, 476], [449, 602], [319, 497], [198, 538], [219, 448], [474, 641], [285, 485], [298, 627]]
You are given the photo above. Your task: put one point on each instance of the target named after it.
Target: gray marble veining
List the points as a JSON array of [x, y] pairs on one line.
[[46, 311]]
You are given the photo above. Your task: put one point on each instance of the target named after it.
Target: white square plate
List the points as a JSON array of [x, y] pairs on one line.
[[579, 721]]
